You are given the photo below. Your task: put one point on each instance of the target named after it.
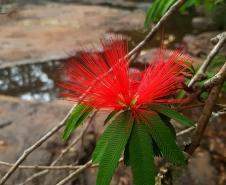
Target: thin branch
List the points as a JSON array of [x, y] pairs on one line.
[[208, 107], [75, 173], [190, 106], [63, 152], [220, 38], [34, 167], [78, 171], [215, 80], [185, 131]]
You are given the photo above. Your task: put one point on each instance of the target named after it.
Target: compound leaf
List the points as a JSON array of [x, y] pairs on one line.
[[167, 111], [141, 155], [111, 145], [165, 141]]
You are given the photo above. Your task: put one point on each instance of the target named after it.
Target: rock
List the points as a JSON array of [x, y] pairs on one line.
[[203, 24], [148, 56], [45, 32], [199, 45], [199, 171]]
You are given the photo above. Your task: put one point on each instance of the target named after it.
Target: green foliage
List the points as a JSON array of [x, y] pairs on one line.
[[111, 145], [141, 155], [78, 115], [167, 111], [166, 121], [159, 7], [126, 154], [188, 4], [156, 10], [156, 149], [166, 142]]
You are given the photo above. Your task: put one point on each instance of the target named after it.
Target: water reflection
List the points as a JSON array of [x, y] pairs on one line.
[[31, 82]]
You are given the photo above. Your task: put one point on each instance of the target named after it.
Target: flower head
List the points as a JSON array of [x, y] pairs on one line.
[[103, 79]]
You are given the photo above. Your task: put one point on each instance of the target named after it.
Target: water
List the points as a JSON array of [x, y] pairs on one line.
[[36, 82]]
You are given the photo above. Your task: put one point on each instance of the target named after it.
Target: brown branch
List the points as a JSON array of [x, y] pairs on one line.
[[190, 106], [204, 119], [220, 38], [216, 83]]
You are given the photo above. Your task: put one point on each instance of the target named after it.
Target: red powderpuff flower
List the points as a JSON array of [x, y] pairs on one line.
[[103, 80]]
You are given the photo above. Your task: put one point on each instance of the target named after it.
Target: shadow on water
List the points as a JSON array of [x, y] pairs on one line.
[[31, 82]]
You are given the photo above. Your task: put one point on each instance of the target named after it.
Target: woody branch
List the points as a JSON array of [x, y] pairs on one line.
[[215, 83]]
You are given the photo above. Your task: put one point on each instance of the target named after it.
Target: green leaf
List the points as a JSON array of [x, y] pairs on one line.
[[165, 141], [110, 116], [111, 145], [141, 155], [156, 149], [126, 154], [167, 111], [188, 4], [78, 115], [157, 9], [166, 121]]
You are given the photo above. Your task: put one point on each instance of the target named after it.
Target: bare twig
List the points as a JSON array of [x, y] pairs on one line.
[[63, 152], [78, 171], [38, 167], [215, 80], [190, 106], [221, 38], [185, 131], [75, 173]]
